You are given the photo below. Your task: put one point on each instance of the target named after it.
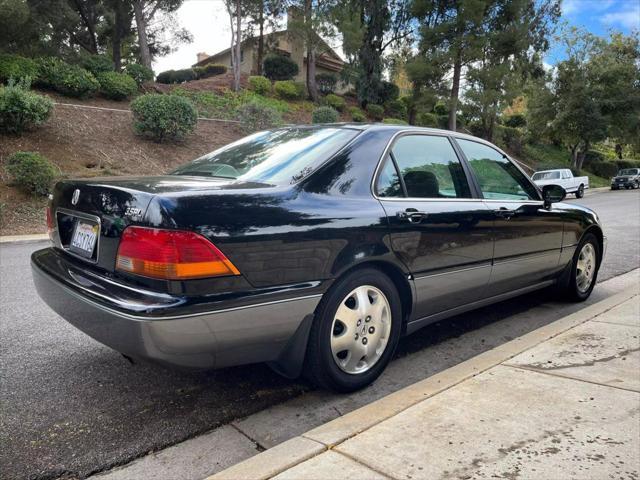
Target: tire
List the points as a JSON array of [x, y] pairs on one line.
[[636, 184], [580, 192], [575, 289], [323, 347]]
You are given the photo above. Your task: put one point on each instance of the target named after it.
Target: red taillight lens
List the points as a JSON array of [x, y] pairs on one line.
[[170, 255], [50, 225]]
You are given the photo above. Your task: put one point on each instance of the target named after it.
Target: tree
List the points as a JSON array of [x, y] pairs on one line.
[[234, 9], [262, 14]]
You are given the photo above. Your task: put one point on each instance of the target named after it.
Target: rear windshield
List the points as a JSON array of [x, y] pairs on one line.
[[628, 171], [276, 156], [546, 175]]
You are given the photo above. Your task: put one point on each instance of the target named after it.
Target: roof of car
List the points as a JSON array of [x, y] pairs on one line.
[[392, 127]]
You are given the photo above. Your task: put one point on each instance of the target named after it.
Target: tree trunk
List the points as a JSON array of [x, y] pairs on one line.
[[311, 52], [455, 90], [574, 155], [412, 110], [89, 22], [260, 39], [141, 25], [119, 30], [582, 155], [236, 67]]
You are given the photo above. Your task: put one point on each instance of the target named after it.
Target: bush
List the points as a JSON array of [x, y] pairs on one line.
[[516, 121], [388, 91], [210, 70], [357, 115], [326, 82], [97, 64], [396, 109], [117, 86], [604, 169], [176, 76], [426, 119], [279, 67], [324, 115], [31, 172], [69, 80], [21, 109], [289, 90], [375, 111], [512, 138], [16, 67], [394, 121], [163, 117], [260, 84], [440, 109], [255, 117], [336, 102], [627, 164], [139, 73]]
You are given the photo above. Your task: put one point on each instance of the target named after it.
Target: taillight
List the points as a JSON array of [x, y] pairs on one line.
[[170, 255], [50, 224]]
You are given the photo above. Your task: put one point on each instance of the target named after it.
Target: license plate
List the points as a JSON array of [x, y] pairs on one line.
[[84, 238]]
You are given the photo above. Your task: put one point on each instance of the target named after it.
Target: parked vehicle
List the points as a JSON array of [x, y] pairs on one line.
[[563, 177], [310, 248], [626, 178]]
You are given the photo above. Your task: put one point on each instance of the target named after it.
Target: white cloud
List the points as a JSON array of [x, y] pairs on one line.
[[628, 18], [575, 6]]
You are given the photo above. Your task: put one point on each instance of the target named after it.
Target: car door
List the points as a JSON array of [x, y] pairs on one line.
[[527, 235], [437, 228]]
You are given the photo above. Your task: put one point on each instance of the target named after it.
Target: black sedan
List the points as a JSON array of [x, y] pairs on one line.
[[311, 248]]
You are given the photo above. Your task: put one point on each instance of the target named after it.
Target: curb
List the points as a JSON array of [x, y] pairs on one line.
[[38, 237], [325, 437]]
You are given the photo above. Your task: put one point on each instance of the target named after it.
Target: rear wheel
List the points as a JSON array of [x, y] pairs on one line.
[[355, 332], [580, 192], [584, 269]]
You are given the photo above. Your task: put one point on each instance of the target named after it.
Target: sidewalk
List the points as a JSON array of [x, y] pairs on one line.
[[560, 402]]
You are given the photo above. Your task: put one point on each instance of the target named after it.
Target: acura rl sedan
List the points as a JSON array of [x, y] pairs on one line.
[[311, 248]]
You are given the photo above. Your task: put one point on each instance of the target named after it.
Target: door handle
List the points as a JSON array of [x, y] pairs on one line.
[[412, 215], [504, 213]]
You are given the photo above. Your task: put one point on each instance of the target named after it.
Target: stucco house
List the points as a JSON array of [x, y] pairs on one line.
[[283, 43]]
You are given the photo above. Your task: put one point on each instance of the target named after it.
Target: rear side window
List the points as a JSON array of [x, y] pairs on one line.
[[499, 178], [423, 166]]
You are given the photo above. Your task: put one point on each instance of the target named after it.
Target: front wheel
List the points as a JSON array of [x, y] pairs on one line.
[[580, 192], [584, 269], [355, 332]]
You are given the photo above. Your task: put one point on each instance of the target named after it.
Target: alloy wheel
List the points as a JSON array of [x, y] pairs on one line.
[[586, 267], [360, 330]]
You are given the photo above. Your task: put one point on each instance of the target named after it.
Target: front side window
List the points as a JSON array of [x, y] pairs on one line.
[[276, 156], [499, 178], [427, 167]]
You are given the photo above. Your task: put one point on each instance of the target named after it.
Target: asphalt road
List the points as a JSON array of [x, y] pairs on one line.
[[71, 407]]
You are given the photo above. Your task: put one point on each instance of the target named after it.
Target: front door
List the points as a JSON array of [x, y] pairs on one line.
[[528, 236], [437, 229]]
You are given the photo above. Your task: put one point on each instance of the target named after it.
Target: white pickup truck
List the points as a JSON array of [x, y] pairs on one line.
[[563, 177]]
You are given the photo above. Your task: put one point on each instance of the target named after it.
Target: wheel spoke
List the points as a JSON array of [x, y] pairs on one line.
[[355, 355], [362, 299], [340, 343], [347, 316]]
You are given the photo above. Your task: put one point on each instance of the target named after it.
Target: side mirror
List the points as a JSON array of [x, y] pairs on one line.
[[553, 194]]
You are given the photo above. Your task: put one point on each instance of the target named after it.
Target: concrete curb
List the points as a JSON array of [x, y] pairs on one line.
[[325, 437], [38, 237]]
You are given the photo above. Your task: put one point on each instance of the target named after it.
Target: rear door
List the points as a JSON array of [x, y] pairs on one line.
[[437, 228], [528, 236]]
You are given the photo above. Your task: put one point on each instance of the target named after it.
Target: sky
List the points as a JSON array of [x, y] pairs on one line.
[[208, 22]]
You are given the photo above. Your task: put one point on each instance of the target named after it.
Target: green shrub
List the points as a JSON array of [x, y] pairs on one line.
[[259, 84], [336, 102], [512, 138], [627, 164], [117, 86], [324, 115], [441, 109], [426, 119], [357, 115], [396, 109], [289, 90], [176, 76], [279, 67], [255, 117], [21, 109], [375, 111], [163, 117], [139, 73], [97, 64], [388, 91], [211, 70], [326, 82], [69, 80], [31, 171], [394, 121], [604, 169], [16, 67], [516, 121], [165, 77]]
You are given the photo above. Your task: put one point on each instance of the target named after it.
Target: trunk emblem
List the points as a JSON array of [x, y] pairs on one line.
[[75, 197]]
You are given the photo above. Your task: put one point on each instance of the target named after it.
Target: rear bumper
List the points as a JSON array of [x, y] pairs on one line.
[[119, 317]]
